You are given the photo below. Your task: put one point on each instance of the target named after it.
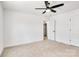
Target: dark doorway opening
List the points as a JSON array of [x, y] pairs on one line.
[[45, 31]]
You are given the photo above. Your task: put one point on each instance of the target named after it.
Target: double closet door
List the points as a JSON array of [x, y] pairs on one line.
[[59, 30], [63, 27], [64, 30]]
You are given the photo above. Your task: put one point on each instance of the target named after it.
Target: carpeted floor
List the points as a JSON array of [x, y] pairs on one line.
[[45, 48]]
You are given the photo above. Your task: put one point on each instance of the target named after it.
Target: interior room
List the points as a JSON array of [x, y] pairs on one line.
[[39, 29]]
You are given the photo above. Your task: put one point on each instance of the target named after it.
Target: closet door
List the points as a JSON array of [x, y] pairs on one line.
[[50, 29], [62, 29], [75, 30]]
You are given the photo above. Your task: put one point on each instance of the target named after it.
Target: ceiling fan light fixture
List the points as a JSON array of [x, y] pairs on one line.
[[48, 10]]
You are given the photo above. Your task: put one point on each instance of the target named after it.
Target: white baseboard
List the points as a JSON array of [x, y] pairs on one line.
[[20, 43], [1, 51]]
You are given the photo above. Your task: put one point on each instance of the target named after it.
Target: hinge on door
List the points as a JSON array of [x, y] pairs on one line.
[[54, 31], [70, 30], [70, 19], [69, 41]]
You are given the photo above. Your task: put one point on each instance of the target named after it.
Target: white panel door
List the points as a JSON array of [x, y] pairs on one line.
[[50, 29], [62, 29], [75, 30]]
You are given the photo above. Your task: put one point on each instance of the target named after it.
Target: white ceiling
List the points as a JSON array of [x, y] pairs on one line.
[[29, 6]]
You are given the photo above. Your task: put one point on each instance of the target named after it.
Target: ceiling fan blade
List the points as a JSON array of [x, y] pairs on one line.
[[44, 12], [46, 4], [53, 11], [40, 8], [57, 5]]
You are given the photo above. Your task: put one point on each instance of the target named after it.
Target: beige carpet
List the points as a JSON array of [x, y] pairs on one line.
[[45, 48]]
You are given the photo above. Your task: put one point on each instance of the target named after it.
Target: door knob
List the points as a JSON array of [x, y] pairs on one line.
[[54, 31]]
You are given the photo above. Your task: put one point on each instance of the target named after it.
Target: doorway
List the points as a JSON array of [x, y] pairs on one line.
[[45, 31]]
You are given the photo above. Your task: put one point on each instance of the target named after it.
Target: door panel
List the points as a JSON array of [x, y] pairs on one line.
[[75, 30], [50, 31]]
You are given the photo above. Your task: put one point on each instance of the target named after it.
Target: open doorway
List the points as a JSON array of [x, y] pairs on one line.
[[45, 31]]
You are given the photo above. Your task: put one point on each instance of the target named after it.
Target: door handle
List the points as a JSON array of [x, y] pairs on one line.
[[54, 31]]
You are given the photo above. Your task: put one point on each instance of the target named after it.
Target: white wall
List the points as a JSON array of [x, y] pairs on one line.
[[22, 28], [1, 28], [63, 26]]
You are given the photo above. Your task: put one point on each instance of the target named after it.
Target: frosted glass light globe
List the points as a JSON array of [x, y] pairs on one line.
[[47, 10]]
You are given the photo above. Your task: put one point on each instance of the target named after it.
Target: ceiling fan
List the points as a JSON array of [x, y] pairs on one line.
[[50, 8]]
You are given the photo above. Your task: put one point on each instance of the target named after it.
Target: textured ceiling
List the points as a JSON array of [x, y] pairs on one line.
[[29, 6]]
